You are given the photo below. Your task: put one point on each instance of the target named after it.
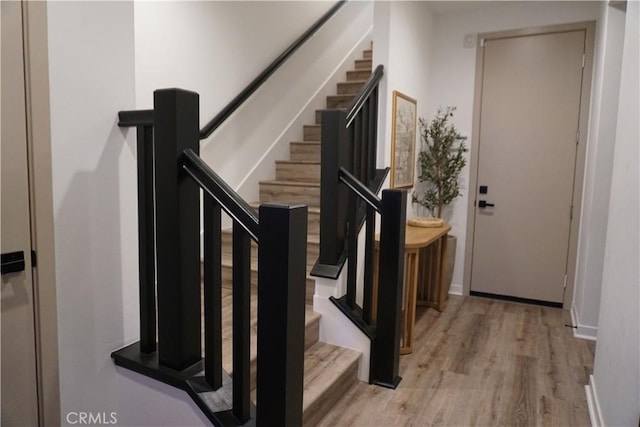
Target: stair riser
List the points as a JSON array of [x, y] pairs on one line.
[[339, 101], [311, 336], [227, 282], [290, 193], [349, 87], [297, 172], [310, 152], [363, 64], [313, 223], [312, 133], [318, 409], [367, 54], [358, 75], [313, 249]]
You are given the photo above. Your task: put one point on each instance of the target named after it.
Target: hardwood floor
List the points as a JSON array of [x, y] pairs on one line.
[[485, 363]]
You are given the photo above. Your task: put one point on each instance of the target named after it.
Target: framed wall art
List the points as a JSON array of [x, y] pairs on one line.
[[403, 140]]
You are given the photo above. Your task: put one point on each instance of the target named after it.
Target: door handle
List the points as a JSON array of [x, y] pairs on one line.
[[484, 204], [11, 262]]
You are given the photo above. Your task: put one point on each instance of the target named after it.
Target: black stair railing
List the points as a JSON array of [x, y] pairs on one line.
[[349, 183], [170, 177]]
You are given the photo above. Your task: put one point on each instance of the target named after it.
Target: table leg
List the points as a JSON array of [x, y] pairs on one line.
[[411, 287], [374, 290], [442, 292]]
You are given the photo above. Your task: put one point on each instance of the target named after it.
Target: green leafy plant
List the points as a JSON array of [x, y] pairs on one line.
[[439, 162]]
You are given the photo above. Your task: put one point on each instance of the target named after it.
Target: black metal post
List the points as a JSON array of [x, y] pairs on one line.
[[146, 240], [367, 144], [178, 235], [281, 295], [335, 152], [352, 247], [241, 323], [212, 293], [373, 133], [357, 147], [385, 355], [367, 294]]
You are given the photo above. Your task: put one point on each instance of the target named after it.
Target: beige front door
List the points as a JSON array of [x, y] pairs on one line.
[[530, 109], [19, 378]]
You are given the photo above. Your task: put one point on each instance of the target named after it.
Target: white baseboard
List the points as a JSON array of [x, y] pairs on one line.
[[582, 331], [455, 289], [595, 414]]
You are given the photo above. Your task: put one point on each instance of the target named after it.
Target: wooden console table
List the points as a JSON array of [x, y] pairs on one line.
[[416, 238]]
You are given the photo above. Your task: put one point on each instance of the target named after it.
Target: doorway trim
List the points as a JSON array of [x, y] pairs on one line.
[[578, 179], [36, 61]]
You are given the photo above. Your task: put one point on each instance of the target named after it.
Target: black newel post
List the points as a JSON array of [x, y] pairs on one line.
[[282, 255], [177, 225], [385, 356], [335, 153]]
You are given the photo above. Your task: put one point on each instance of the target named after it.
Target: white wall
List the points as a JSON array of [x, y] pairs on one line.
[[91, 59], [241, 39], [599, 163], [616, 374], [403, 44], [453, 71], [213, 48]]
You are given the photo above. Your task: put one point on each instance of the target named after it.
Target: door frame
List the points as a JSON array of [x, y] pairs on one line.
[[36, 69], [578, 179]]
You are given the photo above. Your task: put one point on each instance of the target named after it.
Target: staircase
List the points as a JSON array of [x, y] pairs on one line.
[[329, 370]]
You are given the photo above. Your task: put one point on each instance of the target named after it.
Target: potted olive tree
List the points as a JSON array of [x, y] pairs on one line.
[[440, 161]]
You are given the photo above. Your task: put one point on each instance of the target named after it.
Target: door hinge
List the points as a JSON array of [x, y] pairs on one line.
[[565, 282], [578, 137], [583, 59], [34, 259], [571, 212]]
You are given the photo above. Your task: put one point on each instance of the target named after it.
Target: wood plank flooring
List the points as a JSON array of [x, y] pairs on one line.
[[481, 363]]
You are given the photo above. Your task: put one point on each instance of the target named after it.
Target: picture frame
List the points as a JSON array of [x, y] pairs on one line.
[[403, 140]]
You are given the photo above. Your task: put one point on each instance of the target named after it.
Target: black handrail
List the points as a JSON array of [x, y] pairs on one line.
[[358, 102], [232, 106], [360, 189], [132, 118], [236, 207]]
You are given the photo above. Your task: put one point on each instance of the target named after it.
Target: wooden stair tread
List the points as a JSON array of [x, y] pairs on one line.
[[360, 81], [298, 162], [343, 95], [311, 238], [292, 183], [226, 260], [308, 143]]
